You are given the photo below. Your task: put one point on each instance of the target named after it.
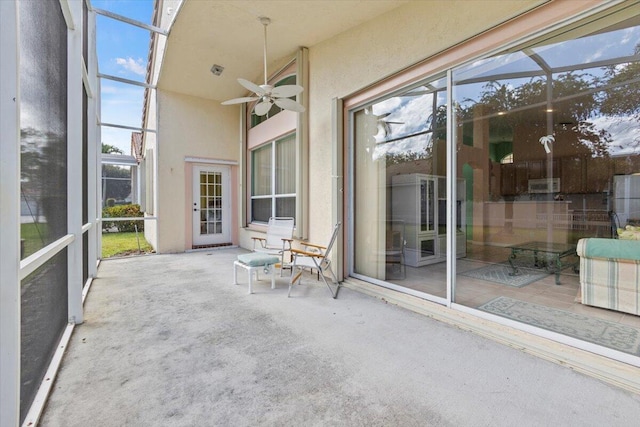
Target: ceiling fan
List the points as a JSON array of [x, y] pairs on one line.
[[266, 93]]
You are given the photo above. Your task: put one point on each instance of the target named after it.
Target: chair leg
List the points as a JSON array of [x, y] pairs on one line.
[[321, 271], [272, 270], [334, 294], [235, 273], [294, 279]]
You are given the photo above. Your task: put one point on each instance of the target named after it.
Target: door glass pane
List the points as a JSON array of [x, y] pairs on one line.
[[211, 203], [399, 154], [550, 156]]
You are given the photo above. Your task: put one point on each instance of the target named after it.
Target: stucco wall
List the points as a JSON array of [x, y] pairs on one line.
[[377, 49], [188, 127], [150, 146], [361, 57]]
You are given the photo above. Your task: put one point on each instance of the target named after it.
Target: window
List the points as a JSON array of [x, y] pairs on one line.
[[507, 159], [277, 155], [273, 184], [255, 119]]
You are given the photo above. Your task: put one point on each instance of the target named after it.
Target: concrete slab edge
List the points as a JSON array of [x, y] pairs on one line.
[[619, 374]]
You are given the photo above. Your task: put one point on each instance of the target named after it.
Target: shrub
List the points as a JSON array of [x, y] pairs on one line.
[[122, 211]]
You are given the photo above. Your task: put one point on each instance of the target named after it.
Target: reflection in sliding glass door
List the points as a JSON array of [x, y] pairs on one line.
[[399, 164]]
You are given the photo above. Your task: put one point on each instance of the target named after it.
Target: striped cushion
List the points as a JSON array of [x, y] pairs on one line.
[[607, 281], [612, 249]]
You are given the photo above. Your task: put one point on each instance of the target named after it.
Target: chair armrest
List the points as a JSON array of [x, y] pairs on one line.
[[262, 241], [314, 246], [306, 253]]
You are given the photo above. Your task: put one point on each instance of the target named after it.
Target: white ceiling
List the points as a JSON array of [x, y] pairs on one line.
[[228, 33]]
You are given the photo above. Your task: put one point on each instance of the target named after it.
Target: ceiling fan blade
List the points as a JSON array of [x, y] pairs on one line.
[[285, 91], [240, 100], [289, 104], [262, 108], [252, 86]]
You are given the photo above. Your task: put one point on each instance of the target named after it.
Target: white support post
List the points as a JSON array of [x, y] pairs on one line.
[[156, 175], [74, 159], [302, 147], [9, 217], [98, 164], [337, 182], [93, 168]]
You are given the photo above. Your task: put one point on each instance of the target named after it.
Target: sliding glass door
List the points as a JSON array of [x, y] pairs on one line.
[[546, 137], [399, 162], [548, 145]]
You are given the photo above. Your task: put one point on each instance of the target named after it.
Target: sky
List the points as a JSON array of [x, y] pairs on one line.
[[122, 52]]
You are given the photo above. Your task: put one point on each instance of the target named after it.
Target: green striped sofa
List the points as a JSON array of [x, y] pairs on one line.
[[610, 273]]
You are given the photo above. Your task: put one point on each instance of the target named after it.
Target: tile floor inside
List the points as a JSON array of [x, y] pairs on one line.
[[471, 292]]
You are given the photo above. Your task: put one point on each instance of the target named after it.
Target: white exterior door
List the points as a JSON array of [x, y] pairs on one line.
[[211, 205]]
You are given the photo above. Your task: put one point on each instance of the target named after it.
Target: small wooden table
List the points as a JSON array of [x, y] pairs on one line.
[[545, 255]]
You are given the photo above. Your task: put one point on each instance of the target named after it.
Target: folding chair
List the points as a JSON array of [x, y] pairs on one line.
[[318, 259], [278, 239]]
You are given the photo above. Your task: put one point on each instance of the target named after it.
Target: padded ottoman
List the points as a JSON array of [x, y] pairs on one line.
[[253, 263]]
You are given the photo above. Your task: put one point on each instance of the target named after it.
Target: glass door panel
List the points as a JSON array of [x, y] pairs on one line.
[[211, 206], [398, 155], [541, 155]]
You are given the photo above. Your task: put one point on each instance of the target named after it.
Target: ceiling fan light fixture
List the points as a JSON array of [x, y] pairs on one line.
[[267, 94]]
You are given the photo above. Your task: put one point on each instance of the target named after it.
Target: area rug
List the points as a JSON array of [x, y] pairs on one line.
[[609, 334], [502, 273]]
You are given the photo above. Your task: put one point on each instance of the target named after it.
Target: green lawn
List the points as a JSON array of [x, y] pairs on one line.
[[113, 244], [125, 243], [34, 237]]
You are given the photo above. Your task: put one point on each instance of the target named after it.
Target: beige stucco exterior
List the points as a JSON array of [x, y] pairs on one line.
[[408, 42], [188, 127], [375, 50], [339, 67]]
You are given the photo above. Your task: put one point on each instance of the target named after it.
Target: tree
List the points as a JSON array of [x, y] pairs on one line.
[[116, 180], [623, 88], [572, 96], [111, 149]]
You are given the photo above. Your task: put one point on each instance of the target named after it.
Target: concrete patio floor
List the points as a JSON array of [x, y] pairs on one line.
[[169, 341]]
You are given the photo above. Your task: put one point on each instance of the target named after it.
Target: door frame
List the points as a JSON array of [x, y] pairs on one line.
[[193, 203]]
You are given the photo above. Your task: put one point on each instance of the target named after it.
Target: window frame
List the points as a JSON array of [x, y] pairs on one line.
[[549, 20], [273, 195], [275, 127]]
